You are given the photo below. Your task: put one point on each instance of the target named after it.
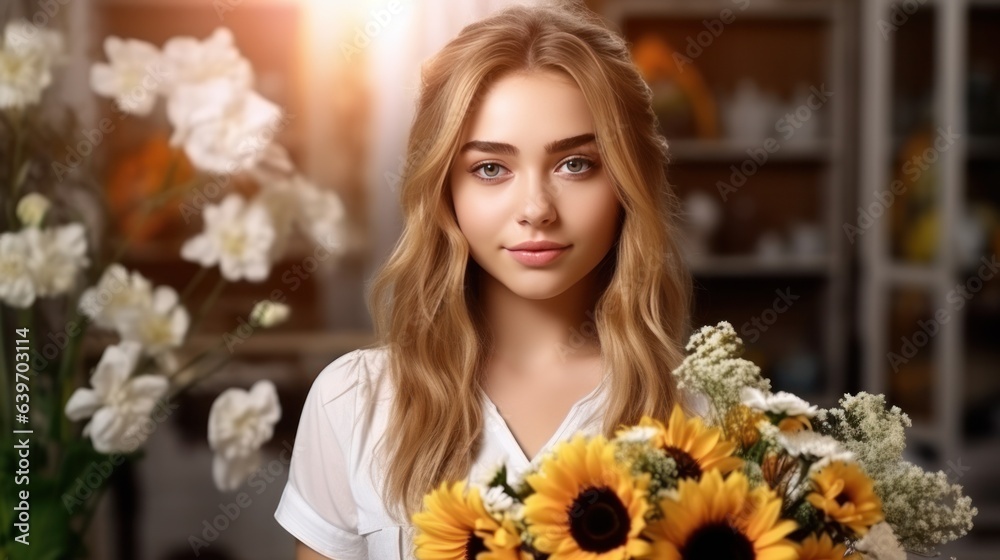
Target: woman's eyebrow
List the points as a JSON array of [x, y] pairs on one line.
[[510, 150]]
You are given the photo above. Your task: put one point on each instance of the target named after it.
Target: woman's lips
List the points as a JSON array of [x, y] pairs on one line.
[[537, 258]]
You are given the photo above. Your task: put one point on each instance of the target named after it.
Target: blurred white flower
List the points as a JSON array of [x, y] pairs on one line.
[[227, 137], [31, 209], [778, 403], [269, 313], [239, 423], [26, 60], [223, 125], [324, 217], [57, 256], [161, 325], [17, 287], [132, 77], [297, 204], [190, 62], [881, 544], [117, 299], [637, 434], [117, 405], [237, 236]]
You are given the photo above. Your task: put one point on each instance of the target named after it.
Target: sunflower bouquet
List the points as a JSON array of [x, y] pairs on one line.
[[753, 475]]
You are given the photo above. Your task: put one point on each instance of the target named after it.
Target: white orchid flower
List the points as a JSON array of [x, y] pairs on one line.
[[132, 75], [17, 287], [117, 299], [117, 404], [57, 256], [237, 237], [239, 423], [160, 326], [26, 60]]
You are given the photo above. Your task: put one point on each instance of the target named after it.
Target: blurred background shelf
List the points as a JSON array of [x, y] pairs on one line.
[[929, 307], [751, 97]]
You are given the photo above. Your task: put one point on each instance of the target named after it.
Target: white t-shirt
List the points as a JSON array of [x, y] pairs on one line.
[[331, 502]]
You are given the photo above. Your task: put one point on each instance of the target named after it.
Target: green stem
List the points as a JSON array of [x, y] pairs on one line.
[[60, 424], [216, 290], [198, 379]]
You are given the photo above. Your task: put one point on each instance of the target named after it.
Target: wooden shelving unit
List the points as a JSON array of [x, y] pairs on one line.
[[940, 57], [804, 179]]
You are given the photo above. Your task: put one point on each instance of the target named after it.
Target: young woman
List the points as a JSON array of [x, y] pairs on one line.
[[536, 290]]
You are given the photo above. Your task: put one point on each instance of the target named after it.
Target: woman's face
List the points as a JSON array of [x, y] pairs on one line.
[[529, 170]]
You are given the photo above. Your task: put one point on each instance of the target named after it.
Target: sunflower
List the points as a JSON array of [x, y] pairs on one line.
[[822, 547], [694, 448], [585, 505], [454, 525], [740, 425], [846, 494], [715, 518]]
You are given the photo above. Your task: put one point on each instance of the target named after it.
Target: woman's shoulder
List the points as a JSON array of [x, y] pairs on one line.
[[359, 369]]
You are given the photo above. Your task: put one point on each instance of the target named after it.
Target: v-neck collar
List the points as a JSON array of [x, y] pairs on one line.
[[514, 449]]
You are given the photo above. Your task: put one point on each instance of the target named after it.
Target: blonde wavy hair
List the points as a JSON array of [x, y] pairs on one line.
[[424, 299]]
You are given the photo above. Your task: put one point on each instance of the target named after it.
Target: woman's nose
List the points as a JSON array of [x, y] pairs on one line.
[[538, 205]]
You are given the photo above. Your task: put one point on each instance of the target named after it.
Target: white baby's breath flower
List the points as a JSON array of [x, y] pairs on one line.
[[637, 434], [131, 76], [31, 209], [237, 237], [880, 544], [17, 287], [778, 403], [118, 298], [269, 313], [58, 255], [239, 423], [161, 325], [715, 369], [117, 404]]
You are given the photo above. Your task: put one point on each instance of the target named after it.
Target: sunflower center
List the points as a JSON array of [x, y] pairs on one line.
[[474, 546], [599, 521], [842, 498], [716, 541], [687, 467]]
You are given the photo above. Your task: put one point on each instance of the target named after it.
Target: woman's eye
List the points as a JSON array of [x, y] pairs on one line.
[[489, 170], [578, 165]]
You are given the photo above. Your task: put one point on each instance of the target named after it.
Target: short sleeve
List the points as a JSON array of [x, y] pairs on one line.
[[317, 505]]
